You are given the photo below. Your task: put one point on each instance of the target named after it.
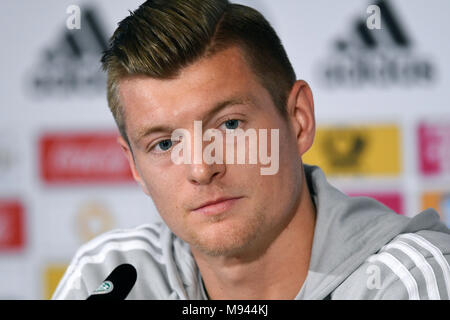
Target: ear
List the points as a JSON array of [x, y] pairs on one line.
[[300, 108], [130, 157]]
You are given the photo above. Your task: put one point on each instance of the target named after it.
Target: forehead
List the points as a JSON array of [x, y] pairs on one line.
[[204, 83]]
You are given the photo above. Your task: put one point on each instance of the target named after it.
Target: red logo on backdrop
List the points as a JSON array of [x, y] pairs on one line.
[[391, 200], [434, 148], [11, 225], [83, 157]]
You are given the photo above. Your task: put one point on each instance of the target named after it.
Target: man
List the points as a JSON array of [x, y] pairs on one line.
[[231, 232]]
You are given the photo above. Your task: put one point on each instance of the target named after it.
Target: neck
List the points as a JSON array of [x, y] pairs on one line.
[[278, 273]]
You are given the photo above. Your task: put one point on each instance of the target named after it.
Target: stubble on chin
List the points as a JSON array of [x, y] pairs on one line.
[[227, 238]]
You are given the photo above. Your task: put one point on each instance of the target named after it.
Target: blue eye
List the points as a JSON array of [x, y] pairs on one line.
[[232, 124], [165, 145]]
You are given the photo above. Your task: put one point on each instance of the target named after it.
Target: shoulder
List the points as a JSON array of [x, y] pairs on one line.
[[413, 266], [144, 238], [97, 258]]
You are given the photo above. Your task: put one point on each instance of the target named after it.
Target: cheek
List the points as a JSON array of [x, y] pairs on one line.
[[284, 184], [289, 155], [163, 185]]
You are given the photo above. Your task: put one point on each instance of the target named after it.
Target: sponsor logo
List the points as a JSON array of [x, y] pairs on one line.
[[12, 235], [392, 200], [434, 151], [93, 218], [53, 274], [71, 66], [380, 57], [440, 201], [82, 158], [362, 150]]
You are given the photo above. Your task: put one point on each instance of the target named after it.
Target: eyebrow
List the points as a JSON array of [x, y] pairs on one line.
[[146, 131], [222, 105]]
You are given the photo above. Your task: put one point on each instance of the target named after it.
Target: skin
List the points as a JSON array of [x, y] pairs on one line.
[[260, 247]]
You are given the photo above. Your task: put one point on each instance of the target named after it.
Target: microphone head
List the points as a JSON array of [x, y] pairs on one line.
[[117, 285]]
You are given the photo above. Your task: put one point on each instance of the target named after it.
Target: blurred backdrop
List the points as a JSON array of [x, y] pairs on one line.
[[381, 83]]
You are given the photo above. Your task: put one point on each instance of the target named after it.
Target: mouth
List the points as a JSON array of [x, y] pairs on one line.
[[216, 206]]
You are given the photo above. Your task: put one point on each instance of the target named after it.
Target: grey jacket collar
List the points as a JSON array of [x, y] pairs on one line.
[[348, 230]]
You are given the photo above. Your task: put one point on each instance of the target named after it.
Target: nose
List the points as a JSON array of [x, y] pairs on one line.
[[203, 174], [202, 171]]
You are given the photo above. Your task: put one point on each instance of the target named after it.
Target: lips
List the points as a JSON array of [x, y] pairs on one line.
[[217, 206]]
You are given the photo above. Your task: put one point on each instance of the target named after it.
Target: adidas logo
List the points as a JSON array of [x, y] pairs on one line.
[[72, 65], [384, 57]]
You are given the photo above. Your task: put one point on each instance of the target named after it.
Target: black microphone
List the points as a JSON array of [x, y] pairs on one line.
[[117, 285]]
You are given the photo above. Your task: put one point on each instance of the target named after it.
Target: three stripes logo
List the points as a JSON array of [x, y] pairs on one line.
[[376, 57], [72, 65]]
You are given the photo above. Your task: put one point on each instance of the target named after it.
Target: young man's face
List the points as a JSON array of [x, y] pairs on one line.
[[256, 206]]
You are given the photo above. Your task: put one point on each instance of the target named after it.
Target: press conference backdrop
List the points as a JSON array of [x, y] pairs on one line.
[[381, 93]]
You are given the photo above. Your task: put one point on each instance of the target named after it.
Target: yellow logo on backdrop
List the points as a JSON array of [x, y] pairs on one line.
[[362, 150], [93, 218], [53, 273]]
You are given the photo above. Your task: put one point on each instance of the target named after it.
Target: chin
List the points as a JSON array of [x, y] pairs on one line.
[[227, 237], [224, 248]]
